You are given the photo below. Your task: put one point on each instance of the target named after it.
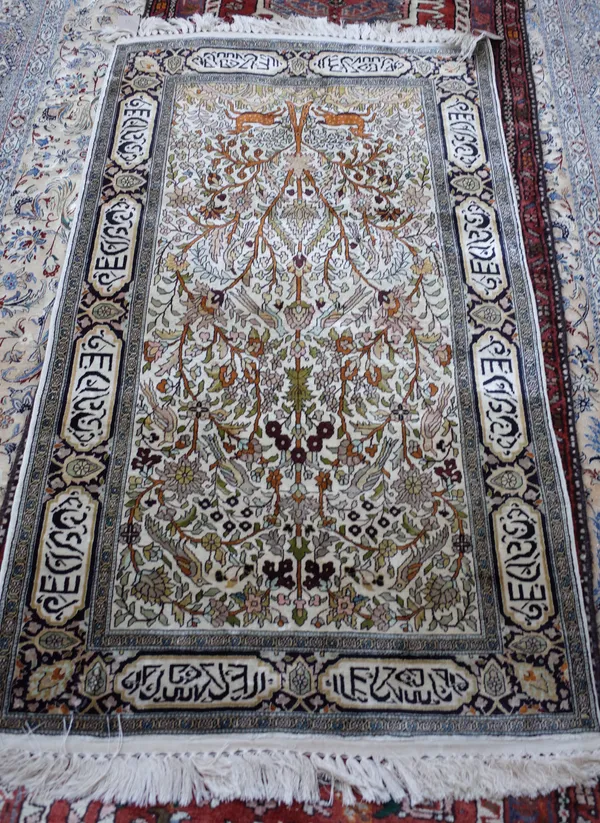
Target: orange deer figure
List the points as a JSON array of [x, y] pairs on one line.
[[354, 119], [244, 120]]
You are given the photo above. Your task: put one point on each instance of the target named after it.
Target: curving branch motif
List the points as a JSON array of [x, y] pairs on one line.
[[295, 455]]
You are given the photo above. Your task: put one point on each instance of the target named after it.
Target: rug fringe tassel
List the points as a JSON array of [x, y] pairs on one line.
[[307, 27], [284, 776]]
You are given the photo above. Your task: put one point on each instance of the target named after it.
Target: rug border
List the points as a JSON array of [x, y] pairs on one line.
[[504, 82], [590, 637]]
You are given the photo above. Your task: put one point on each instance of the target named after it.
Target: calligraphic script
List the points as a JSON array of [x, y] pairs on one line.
[[92, 394], [112, 258], [224, 60], [61, 576], [463, 133], [134, 130], [526, 591], [482, 254], [197, 682], [400, 684], [338, 64], [499, 394]]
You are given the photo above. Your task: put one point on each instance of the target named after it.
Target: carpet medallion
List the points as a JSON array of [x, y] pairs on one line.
[[292, 467]]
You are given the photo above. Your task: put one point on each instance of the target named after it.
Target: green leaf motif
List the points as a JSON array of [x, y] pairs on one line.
[[299, 550], [299, 393], [299, 617], [189, 518], [409, 526]]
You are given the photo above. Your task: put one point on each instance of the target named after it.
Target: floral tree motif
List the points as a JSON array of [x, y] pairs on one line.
[[296, 456]]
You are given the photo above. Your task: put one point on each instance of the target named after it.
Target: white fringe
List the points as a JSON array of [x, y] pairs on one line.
[[261, 774], [313, 27]]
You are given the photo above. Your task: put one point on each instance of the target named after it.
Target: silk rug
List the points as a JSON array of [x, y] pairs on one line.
[[292, 506]]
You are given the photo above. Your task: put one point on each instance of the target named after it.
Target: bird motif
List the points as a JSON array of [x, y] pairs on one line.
[[265, 312], [432, 420], [234, 476], [390, 302], [337, 311], [163, 416], [419, 555], [367, 477]]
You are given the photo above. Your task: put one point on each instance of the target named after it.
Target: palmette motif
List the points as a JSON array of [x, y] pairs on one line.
[[301, 446]]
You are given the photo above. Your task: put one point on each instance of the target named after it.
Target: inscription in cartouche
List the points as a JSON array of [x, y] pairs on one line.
[[226, 60], [197, 682], [417, 685], [340, 64], [524, 578], [112, 258], [61, 576], [134, 130], [499, 395], [462, 131], [93, 386], [481, 250]]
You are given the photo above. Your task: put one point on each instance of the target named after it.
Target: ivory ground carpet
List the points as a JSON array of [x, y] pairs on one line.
[[28, 31], [292, 508]]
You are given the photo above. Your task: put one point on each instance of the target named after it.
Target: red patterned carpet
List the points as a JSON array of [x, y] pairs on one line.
[[450, 14], [571, 806]]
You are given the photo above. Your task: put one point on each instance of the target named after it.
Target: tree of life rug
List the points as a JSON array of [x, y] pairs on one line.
[[291, 507]]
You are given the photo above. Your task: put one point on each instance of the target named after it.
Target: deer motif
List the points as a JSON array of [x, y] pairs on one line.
[[354, 119], [244, 120]]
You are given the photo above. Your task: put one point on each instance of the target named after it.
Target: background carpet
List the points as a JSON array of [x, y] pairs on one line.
[[569, 806], [41, 197], [561, 87], [29, 30], [462, 15]]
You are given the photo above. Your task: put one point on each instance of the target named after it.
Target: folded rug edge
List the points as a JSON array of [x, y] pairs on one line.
[[296, 25]]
